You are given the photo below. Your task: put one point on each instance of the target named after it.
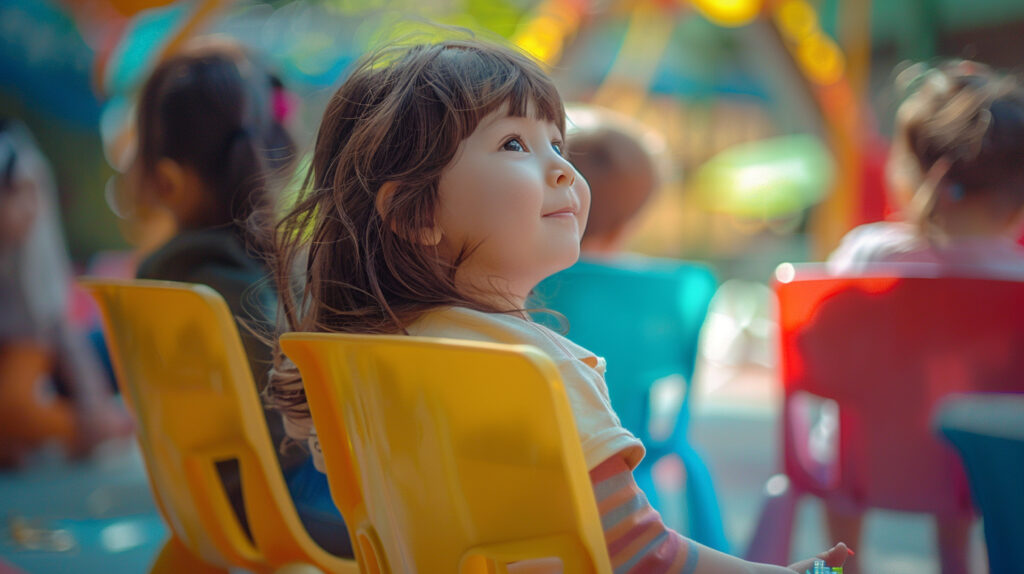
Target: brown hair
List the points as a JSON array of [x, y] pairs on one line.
[[210, 107], [964, 123], [399, 117], [621, 173]]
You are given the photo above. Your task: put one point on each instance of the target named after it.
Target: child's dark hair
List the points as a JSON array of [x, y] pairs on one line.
[[967, 120], [210, 108], [396, 122]]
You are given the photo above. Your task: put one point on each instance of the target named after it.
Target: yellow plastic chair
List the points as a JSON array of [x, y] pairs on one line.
[[182, 371], [449, 456]]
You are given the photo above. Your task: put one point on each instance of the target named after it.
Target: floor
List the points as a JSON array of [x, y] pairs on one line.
[[90, 517]]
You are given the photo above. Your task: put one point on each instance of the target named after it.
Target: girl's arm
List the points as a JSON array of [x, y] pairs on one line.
[[639, 542]]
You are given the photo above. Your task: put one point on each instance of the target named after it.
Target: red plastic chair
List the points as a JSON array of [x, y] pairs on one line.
[[880, 350]]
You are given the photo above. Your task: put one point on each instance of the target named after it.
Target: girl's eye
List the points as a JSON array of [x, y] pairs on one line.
[[557, 146], [513, 144]]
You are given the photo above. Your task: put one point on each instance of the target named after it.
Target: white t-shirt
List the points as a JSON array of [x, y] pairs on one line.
[[897, 242], [600, 432]]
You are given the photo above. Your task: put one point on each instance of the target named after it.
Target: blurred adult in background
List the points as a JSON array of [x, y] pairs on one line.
[[212, 150], [52, 384], [957, 169]]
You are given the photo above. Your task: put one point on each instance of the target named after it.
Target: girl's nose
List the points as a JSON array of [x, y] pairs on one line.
[[562, 176]]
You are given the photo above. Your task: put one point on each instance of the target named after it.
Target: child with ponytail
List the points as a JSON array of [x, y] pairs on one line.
[[212, 146], [956, 169]]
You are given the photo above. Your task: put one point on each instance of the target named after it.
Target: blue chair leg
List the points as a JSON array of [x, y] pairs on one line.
[[994, 469], [704, 516]]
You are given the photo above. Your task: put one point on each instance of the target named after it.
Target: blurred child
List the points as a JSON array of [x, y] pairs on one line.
[[37, 339], [622, 174], [211, 147], [955, 169], [438, 197]]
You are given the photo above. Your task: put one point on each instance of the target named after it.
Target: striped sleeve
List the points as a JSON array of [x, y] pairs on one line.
[[638, 541]]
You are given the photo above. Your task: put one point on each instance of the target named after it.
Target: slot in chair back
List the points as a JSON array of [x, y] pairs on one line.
[[182, 371], [880, 350], [449, 456]]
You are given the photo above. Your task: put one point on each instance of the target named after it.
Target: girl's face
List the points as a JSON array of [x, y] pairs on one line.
[[511, 195]]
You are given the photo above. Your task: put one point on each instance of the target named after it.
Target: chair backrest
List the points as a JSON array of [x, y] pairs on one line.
[[643, 315], [885, 347], [449, 456], [183, 373]]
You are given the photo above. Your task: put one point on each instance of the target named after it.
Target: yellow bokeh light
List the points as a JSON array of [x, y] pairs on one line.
[[540, 48], [821, 59], [728, 13], [797, 19]]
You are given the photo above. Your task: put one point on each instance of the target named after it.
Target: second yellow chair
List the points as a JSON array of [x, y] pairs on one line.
[[182, 370], [449, 456]]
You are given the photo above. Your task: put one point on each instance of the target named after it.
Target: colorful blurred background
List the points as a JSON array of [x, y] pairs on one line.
[[720, 81], [771, 120]]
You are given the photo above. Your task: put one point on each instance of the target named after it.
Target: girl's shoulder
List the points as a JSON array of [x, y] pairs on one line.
[[469, 324], [874, 243], [882, 232]]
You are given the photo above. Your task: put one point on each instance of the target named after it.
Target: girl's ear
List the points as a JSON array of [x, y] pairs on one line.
[[179, 189], [429, 236], [168, 179]]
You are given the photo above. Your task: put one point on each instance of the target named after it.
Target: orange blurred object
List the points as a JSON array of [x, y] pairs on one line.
[[123, 7], [30, 414]]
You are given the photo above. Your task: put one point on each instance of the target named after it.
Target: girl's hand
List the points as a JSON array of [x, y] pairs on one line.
[[833, 557]]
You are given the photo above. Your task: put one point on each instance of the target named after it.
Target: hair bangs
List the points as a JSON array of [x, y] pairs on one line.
[[491, 79]]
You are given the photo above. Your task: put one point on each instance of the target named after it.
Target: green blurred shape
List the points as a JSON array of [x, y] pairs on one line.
[[499, 16], [766, 179]]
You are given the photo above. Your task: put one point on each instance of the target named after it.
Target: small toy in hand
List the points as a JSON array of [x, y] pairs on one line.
[[820, 567]]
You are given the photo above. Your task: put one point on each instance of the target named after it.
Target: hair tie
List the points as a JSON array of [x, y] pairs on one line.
[[283, 104]]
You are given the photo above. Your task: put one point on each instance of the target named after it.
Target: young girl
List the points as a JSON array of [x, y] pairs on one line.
[[437, 199], [211, 144], [955, 169]]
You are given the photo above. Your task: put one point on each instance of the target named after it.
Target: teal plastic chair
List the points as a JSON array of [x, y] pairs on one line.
[[644, 315], [987, 429]]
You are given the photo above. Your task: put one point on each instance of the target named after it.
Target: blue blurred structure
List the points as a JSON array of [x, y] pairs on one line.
[[987, 430], [45, 62], [644, 316], [88, 516]]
